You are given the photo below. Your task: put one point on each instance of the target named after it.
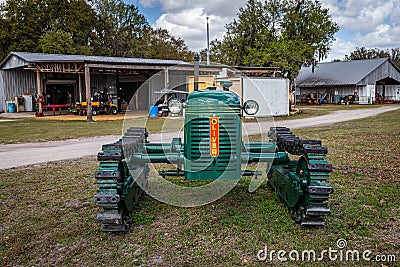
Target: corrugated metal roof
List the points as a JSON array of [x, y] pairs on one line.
[[338, 73], [41, 58]]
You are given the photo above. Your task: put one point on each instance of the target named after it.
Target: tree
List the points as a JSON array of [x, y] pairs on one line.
[[159, 43], [88, 27], [25, 22], [280, 33], [249, 31], [124, 32], [364, 53], [4, 34], [119, 27], [25, 25], [395, 56], [216, 53], [80, 23], [56, 42], [60, 42]]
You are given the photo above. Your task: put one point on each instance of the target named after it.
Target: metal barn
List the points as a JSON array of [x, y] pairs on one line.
[[372, 80], [64, 79]]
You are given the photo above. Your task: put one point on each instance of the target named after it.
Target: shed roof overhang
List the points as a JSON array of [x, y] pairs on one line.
[[388, 81], [325, 85], [75, 64]]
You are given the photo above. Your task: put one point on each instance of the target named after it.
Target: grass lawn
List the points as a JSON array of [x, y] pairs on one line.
[[48, 214], [319, 110], [34, 130]]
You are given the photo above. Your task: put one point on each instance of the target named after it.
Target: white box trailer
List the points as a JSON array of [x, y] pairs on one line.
[[272, 94]]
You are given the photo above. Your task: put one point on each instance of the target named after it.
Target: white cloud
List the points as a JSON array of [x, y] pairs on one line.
[[223, 8], [368, 23], [340, 48], [190, 25], [187, 18], [148, 3], [212, 7], [173, 6], [384, 36], [365, 18], [395, 15], [355, 15]]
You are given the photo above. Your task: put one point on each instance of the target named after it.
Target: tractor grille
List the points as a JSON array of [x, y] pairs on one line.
[[198, 155]]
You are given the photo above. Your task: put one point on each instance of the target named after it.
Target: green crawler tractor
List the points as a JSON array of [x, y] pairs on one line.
[[213, 149]]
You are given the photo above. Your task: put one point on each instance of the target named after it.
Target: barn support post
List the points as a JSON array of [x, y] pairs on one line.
[[166, 78], [166, 83], [88, 94], [117, 85], [40, 97], [137, 97], [80, 87], [75, 94]]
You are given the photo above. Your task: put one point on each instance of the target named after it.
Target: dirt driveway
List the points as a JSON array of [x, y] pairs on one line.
[[17, 155]]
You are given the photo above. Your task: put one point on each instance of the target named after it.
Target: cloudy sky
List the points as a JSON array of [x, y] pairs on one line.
[[368, 23]]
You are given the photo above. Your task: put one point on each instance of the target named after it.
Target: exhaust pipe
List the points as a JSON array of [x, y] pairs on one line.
[[196, 72]]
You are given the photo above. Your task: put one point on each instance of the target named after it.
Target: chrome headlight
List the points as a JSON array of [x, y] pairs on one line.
[[175, 105], [250, 107]]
